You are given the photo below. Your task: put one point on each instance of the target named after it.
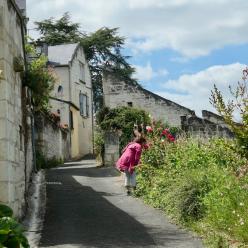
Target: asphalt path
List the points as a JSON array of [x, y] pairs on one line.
[[87, 207]]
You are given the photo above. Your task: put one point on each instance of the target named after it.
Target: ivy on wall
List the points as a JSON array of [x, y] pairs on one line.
[[122, 119]]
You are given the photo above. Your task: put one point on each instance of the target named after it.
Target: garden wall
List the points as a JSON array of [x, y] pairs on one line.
[[15, 137], [111, 147], [50, 140]]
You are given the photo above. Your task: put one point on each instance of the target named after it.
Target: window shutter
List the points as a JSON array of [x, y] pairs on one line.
[[87, 106], [81, 103], [84, 105]]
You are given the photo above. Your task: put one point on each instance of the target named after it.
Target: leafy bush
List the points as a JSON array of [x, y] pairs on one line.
[[197, 183], [237, 105], [11, 232], [124, 119], [99, 146], [39, 78]]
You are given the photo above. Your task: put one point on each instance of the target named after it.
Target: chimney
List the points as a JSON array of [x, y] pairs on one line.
[[22, 6]]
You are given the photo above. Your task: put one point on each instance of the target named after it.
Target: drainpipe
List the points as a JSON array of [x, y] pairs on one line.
[[92, 118], [33, 141], [69, 70]]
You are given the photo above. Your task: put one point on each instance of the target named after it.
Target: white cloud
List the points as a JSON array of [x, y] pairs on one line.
[[146, 73], [191, 27], [194, 90]]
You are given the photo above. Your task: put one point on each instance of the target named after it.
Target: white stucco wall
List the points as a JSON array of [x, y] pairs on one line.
[[70, 77], [85, 129]]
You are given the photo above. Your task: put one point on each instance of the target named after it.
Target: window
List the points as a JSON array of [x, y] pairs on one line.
[[84, 105], [60, 91], [81, 72], [130, 104]]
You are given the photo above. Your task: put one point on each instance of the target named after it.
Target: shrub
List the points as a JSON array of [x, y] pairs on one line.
[[11, 232], [237, 105], [195, 182], [99, 146], [124, 119], [39, 78]]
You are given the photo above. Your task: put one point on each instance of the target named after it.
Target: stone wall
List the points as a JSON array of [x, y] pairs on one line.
[[111, 148], [207, 115], [119, 93], [200, 127], [50, 140], [15, 147]]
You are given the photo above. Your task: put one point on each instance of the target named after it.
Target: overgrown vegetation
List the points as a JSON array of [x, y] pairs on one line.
[[238, 105], [43, 163], [102, 49], [122, 119], [199, 183], [39, 78], [99, 146], [11, 232]]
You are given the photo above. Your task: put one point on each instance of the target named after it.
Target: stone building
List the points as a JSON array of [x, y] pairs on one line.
[[208, 126], [119, 93], [72, 95], [15, 132]]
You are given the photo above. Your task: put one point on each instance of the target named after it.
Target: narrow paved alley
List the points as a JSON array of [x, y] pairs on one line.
[[87, 207]]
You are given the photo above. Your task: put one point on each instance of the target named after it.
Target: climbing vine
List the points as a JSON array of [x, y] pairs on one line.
[[39, 77]]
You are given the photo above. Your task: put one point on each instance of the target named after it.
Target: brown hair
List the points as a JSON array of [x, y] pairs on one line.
[[140, 140]]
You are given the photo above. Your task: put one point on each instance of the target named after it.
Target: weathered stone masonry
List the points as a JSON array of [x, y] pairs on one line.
[[51, 141], [15, 154], [119, 93]]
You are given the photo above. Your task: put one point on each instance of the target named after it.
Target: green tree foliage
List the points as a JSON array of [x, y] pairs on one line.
[[39, 79], [102, 49], [238, 105], [122, 119], [55, 32]]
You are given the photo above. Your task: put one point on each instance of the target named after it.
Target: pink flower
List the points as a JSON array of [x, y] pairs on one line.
[[165, 131], [149, 129]]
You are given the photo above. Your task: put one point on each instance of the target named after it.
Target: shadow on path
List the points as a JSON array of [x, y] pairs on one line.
[[78, 215]]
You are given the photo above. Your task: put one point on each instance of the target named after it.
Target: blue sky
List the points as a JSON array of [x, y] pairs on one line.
[[179, 48]]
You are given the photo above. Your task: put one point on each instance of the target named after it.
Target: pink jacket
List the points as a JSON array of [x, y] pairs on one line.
[[130, 157]]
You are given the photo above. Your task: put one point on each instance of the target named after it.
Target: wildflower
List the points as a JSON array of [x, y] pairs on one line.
[[241, 221], [241, 204], [149, 129], [165, 131]]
